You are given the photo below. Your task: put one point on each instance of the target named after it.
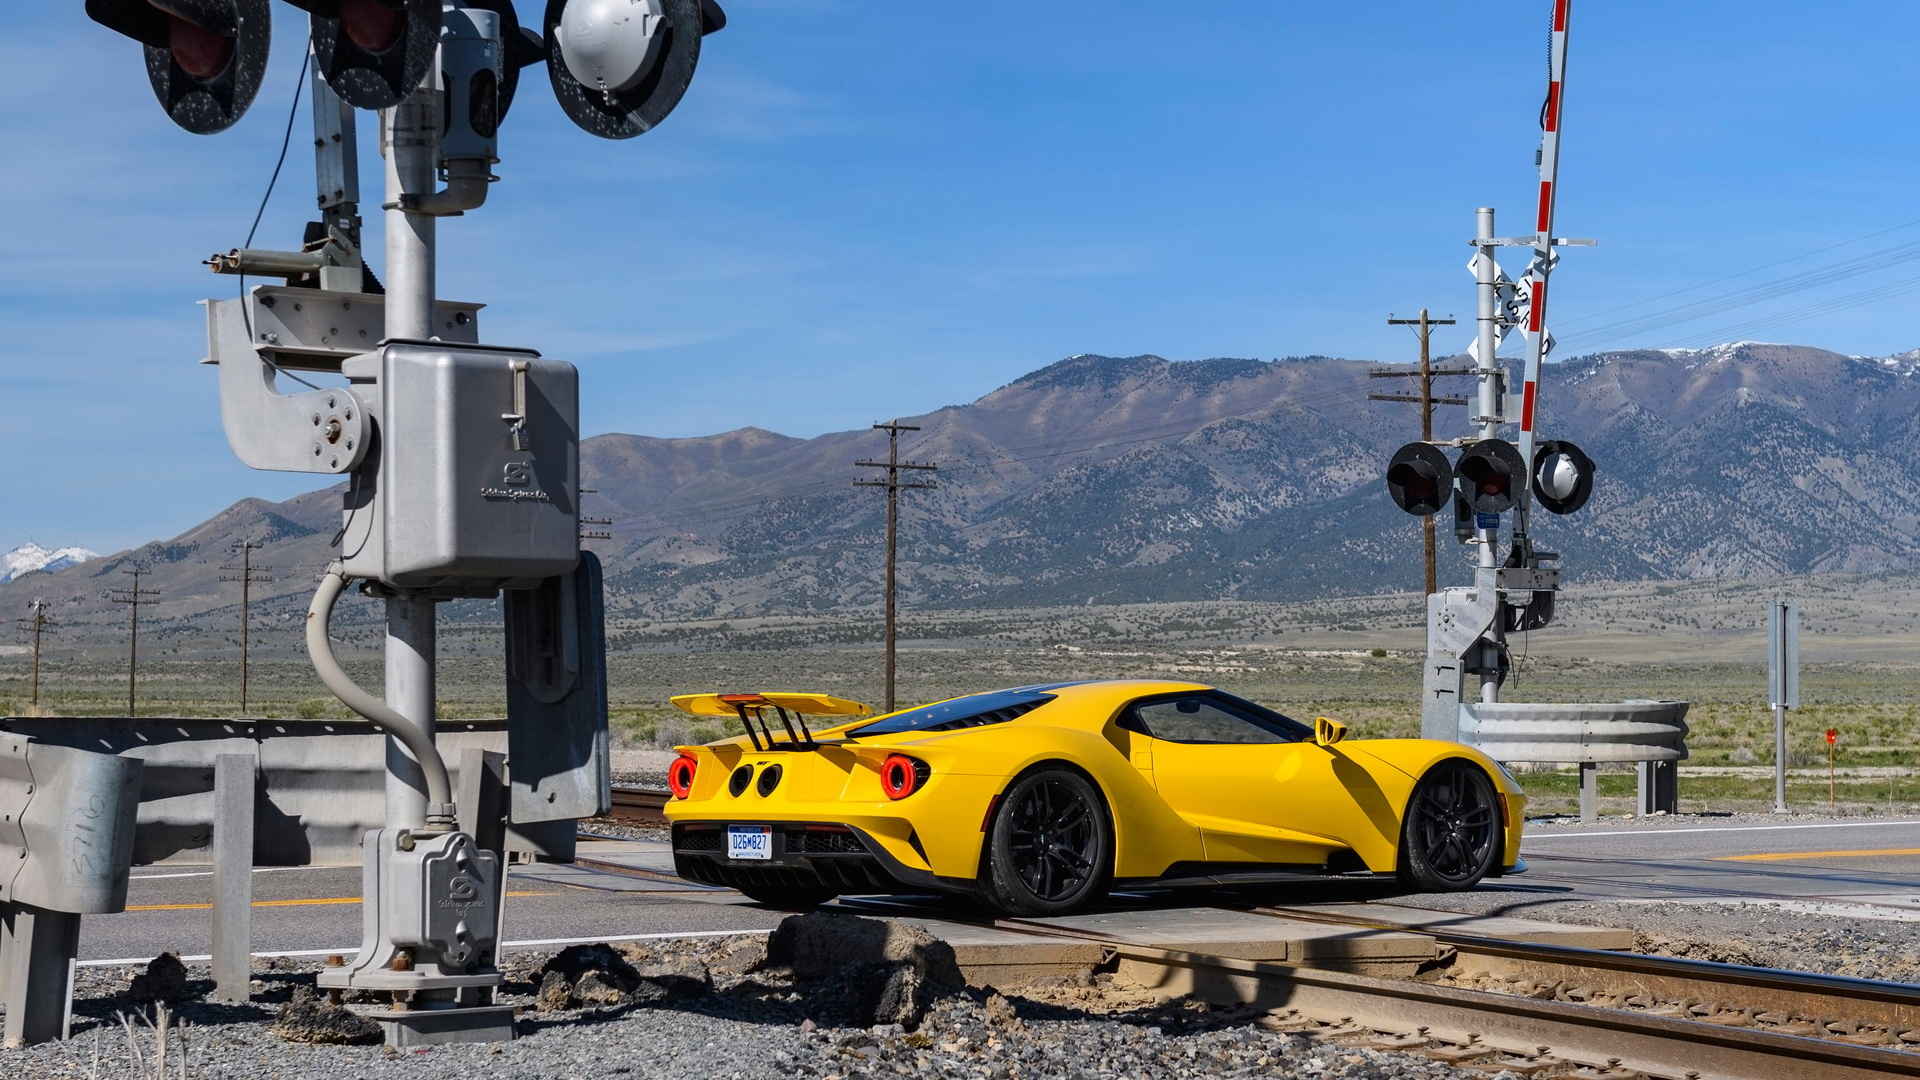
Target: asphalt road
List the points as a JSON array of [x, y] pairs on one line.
[[317, 909]]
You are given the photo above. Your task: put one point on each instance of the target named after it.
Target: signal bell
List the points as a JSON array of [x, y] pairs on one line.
[[205, 58], [1490, 470], [618, 67], [373, 52], [1419, 479], [1562, 476]]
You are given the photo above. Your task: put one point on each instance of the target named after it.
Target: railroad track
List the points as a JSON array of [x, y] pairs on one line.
[[639, 805], [1563, 1012], [1559, 1011]]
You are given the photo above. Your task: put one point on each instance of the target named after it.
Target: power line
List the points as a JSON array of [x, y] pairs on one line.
[[248, 575], [894, 485], [132, 596], [37, 624], [1425, 324]]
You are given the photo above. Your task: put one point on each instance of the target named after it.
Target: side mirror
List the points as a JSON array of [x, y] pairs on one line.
[[1327, 731]]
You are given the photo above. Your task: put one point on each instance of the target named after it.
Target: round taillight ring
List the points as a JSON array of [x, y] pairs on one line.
[[680, 775], [900, 776]]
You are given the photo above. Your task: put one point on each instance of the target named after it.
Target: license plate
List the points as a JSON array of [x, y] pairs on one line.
[[749, 842]]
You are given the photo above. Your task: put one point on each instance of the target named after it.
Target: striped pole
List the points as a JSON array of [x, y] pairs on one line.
[[1550, 120]]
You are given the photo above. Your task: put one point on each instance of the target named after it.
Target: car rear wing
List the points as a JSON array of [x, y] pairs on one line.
[[791, 707]]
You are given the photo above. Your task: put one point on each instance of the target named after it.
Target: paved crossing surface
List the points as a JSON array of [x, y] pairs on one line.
[[627, 888]]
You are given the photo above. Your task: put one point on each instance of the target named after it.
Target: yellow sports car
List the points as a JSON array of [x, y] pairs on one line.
[[1039, 799]]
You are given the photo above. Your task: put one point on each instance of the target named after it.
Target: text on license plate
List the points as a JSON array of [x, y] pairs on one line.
[[749, 842]]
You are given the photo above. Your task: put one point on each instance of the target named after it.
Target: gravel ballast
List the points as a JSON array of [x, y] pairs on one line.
[[717, 1008]]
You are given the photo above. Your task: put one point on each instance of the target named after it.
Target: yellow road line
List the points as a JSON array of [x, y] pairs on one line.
[[1788, 856], [317, 901]]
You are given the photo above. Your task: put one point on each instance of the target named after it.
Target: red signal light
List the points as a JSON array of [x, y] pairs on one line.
[[680, 775], [200, 52], [371, 25], [901, 776]]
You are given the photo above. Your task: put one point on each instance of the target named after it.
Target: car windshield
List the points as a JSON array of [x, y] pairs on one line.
[[974, 710]]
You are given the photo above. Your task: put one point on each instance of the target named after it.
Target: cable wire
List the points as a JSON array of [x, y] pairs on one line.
[[286, 140]]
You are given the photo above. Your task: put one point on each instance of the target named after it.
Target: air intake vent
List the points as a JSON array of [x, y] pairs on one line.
[[997, 716]]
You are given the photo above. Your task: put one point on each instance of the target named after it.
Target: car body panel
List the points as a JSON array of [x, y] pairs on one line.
[[1293, 805]]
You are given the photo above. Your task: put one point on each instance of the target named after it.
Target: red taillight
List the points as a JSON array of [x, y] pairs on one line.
[[680, 775], [900, 776]]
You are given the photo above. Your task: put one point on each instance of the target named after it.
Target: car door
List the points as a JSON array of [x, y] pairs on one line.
[[1255, 784]]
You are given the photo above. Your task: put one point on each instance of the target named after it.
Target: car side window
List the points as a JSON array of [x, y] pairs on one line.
[[1207, 718]]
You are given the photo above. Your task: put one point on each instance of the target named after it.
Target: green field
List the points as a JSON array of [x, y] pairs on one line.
[[1293, 657]]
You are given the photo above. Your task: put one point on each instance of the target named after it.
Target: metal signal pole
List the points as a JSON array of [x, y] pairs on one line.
[[1426, 401], [132, 598], [248, 575], [36, 624], [894, 486]]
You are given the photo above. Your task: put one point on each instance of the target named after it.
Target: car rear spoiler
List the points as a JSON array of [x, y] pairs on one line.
[[792, 708]]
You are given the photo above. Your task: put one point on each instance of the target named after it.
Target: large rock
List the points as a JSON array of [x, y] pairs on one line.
[[165, 980], [310, 1018], [866, 971]]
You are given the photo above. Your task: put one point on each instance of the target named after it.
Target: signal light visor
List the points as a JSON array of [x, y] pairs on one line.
[[680, 775], [901, 776]]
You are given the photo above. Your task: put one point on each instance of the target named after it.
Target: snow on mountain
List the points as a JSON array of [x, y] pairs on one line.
[[30, 557]]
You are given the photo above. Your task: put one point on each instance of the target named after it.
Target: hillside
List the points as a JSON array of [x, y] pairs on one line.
[[1121, 480]]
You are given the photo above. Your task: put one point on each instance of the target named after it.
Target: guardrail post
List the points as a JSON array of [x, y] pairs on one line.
[[233, 811], [1589, 791], [1658, 788], [37, 950]]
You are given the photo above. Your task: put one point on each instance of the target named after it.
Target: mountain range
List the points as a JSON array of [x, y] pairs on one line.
[[1118, 479], [30, 558]]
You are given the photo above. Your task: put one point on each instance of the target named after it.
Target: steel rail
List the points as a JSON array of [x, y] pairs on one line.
[[1880, 1001], [1579, 1035], [1593, 1036], [639, 805]]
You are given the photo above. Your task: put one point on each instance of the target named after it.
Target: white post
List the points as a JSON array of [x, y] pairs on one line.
[[410, 140], [233, 799], [1486, 277], [1783, 686]]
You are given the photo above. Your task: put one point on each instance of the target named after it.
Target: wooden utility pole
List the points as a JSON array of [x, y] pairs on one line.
[[36, 624], [132, 598], [894, 486], [248, 575], [1426, 401]]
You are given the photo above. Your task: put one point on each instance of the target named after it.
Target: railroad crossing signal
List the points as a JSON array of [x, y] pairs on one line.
[[617, 68], [205, 58], [1421, 482], [1490, 475], [1420, 479]]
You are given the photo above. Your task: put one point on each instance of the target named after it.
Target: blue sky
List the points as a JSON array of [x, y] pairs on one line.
[[864, 210]]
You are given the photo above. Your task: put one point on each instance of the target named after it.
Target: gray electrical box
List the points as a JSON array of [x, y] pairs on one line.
[[479, 490]]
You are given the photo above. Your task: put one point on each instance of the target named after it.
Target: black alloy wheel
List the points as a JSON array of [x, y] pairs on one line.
[[1452, 836], [1050, 849]]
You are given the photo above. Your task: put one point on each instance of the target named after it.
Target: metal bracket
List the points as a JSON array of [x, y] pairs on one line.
[[517, 419], [278, 328]]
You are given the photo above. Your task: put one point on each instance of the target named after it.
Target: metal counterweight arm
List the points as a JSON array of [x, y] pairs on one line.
[[440, 810]]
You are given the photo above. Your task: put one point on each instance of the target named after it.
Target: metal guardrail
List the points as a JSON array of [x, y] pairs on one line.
[[321, 783], [1577, 732], [1652, 734], [66, 843]]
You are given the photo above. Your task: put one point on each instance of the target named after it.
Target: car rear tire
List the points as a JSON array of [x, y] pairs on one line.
[[788, 897], [1050, 847], [1451, 835]]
